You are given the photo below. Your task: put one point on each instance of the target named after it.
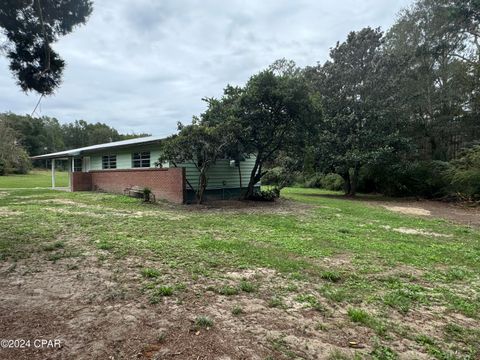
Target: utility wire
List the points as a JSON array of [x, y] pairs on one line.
[[36, 106]]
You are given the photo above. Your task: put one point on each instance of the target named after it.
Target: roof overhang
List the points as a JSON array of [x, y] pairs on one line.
[[96, 148]]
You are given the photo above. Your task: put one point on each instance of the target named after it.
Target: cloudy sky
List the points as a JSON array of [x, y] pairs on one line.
[[143, 67]]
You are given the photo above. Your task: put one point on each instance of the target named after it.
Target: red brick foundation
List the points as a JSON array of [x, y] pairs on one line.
[[167, 184]]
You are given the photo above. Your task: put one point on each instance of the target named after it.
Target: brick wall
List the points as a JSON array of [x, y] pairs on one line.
[[81, 181], [167, 184]]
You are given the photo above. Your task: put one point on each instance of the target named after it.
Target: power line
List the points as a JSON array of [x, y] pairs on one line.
[[36, 106]]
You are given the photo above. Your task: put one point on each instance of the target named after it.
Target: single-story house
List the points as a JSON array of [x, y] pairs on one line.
[[116, 166]]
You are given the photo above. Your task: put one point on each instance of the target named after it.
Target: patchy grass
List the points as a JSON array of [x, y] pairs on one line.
[[54, 246], [237, 310], [318, 252], [247, 286], [276, 302], [35, 178], [203, 322], [150, 273], [332, 276], [228, 290]]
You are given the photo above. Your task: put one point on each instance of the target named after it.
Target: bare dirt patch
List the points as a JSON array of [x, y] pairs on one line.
[[458, 213], [106, 213], [279, 207], [99, 310], [7, 212], [410, 231], [409, 210]]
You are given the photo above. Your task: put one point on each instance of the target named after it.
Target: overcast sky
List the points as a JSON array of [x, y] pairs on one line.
[[141, 66]]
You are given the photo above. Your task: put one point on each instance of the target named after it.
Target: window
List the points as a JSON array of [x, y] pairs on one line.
[[77, 165], [109, 161], [141, 159]]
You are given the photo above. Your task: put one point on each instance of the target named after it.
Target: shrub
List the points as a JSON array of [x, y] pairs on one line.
[[419, 178], [266, 195], [22, 163], [3, 169], [332, 182], [279, 177], [314, 181], [146, 194], [464, 175]]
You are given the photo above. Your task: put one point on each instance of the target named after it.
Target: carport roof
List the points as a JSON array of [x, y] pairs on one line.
[[110, 145]]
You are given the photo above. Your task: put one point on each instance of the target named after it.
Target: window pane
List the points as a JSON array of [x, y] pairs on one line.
[[109, 162], [141, 159], [77, 165]]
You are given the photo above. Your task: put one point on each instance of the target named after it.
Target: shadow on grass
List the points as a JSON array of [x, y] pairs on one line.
[[358, 197]]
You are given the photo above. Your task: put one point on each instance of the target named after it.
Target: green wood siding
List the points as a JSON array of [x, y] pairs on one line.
[[124, 157], [221, 175]]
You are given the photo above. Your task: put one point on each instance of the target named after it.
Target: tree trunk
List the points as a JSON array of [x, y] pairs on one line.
[[202, 185], [253, 179], [240, 178], [347, 186], [354, 180]]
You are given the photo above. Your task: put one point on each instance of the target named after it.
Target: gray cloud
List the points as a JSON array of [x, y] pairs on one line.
[[145, 66]]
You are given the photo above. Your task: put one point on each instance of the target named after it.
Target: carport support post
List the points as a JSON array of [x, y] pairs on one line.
[[53, 174], [70, 175]]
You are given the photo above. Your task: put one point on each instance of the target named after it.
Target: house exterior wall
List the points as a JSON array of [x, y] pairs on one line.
[[124, 157], [80, 181], [220, 176], [167, 184]]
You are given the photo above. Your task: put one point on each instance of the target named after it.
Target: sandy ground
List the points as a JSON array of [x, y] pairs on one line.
[[96, 307], [98, 311], [456, 213]]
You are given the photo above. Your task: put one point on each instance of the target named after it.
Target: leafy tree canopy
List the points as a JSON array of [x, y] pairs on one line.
[[361, 123], [30, 27], [198, 144]]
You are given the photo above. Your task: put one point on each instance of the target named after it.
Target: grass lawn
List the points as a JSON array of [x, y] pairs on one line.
[[309, 277], [36, 178]]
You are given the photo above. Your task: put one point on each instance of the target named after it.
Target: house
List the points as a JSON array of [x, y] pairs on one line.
[[115, 166]]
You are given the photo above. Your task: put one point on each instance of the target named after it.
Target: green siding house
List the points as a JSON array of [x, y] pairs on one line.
[[116, 166]]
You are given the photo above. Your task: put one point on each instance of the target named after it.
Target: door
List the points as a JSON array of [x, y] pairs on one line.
[[86, 163]]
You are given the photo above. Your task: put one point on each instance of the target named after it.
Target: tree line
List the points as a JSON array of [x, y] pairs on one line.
[[395, 112], [22, 136]]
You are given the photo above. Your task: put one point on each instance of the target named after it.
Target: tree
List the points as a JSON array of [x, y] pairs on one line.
[[198, 144], [13, 156], [82, 133], [38, 135], [31, 26], [361, 120], [275, 112], [41, 135], [439, 84]]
